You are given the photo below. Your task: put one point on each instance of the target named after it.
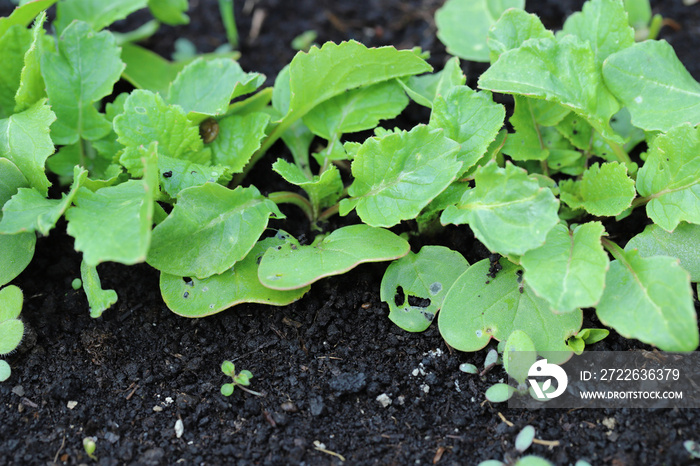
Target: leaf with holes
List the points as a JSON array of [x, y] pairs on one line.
[[192, 297], [415, 285]]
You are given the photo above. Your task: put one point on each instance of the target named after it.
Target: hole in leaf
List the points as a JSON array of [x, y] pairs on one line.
[[429, 316], [188, 281], [417, 301], [186, 295], [399, 297]]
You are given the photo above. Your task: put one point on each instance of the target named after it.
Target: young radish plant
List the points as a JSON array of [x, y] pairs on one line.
[[603, 129]]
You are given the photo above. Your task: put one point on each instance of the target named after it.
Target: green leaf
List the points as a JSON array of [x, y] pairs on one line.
[[532, 460], [604, 24], [683, 243], [499, 393], [243, 378], [97, 13], [5, 370], [31, 86], [525, 437], [650, 299], [293, 266], [177, 174], [11, 332], [25, 141], [206, 87], [169, 11], [561, 70], [147, 118], [463, 25], [228, 368], [16, 252], [470, 118], [11, 299], [99, 300], [533, 140], [508, 211], [321, 74], [209, 229], [24, 14], [415, 285], [399, 174], [28, 210], [239, 137], [604, 190], [653, 84], [423, 89], [569, 269], [13, 46], [519, 354], [323, 190], [356, 110], [227, 389], [479, 307], [514, 27], [670, 178], [582, 135], [191, 297], [114, 223], [82, 72], [11, 179], [147, 70]]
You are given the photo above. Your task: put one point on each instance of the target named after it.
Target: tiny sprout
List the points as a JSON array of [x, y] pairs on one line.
[[241, 379], [89, 445], [76, 284]]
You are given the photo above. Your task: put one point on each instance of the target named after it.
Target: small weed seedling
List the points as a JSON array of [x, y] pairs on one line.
[[240, 380], [90, 445], [11, 328]]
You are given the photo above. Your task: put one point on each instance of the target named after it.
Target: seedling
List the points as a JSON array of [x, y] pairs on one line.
[[11, 327], [522, 442], [240, 380], [90, 445]]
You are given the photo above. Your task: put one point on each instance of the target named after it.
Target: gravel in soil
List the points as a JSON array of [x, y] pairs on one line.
[[340, 381]]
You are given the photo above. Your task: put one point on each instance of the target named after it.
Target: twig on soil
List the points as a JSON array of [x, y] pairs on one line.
[[548, 443], [63, 444], [322, 448], [503, 418]]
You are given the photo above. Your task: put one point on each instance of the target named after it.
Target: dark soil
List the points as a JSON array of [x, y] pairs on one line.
[[128, 377]]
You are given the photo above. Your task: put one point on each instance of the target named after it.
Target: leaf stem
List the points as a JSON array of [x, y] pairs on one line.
[[616, 251], [329, 212], [288, 197], [252, 392], [620, 154]]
